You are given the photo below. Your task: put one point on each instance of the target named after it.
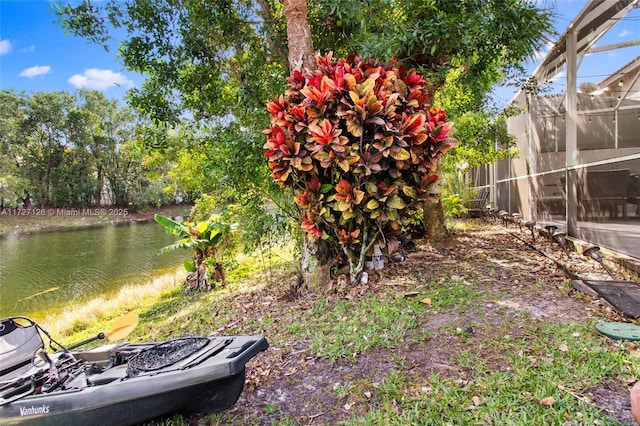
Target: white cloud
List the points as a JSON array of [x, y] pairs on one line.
[[5, 47], [31, 48], [96, 79], [625, 33], [35, 71]]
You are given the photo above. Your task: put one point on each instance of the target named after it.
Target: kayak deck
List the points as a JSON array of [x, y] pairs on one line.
[[131, 383]]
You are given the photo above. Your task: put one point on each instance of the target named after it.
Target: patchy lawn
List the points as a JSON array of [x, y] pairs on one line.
[[482, 330]]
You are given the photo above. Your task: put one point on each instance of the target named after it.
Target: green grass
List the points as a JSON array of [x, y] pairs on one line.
[[452, 294], [345, 329], [558, 361], [493, 378]]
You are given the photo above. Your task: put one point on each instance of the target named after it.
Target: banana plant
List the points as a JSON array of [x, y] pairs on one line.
[[204, 237]]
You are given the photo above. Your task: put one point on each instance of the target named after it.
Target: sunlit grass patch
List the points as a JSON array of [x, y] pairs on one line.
[[345, 329], [164, 308], [464, 224], [544, 378], [262, 263], [96, 314], [452, 293]]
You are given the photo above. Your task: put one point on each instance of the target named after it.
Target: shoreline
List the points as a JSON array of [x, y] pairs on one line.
[[133, 296], [15, 222]]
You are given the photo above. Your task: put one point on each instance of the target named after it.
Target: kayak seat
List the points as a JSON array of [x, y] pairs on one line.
[[19, 343], [110, 375]]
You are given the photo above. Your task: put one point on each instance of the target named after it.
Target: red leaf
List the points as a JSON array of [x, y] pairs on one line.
[[344, 187]]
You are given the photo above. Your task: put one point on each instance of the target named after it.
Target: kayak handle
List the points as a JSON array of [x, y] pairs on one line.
[[100, 336]]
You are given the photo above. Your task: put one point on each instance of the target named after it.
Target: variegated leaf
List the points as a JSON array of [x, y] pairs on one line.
[[343, 206], [358, 196], [373, 204], [409, 191], [396, 202], [400, 154]]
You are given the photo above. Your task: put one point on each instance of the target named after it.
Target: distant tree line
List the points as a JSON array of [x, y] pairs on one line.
[[80, 149]]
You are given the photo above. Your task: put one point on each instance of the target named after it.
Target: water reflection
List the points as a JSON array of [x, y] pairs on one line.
[[56, 269]]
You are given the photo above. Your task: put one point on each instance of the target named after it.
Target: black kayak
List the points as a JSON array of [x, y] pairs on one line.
[[118, 384]]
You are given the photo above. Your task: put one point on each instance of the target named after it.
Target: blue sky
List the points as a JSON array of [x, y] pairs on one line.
[[35, 54], [594, 67]]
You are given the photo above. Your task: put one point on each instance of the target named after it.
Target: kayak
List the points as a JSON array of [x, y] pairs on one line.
[[120, 383]]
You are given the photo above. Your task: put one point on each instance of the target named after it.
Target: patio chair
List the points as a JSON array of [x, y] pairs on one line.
[[477, 206]]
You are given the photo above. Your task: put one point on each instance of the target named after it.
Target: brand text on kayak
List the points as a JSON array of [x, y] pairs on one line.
[[32, 411]]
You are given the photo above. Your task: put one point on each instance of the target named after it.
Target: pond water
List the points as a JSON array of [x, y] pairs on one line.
[[59, 270]]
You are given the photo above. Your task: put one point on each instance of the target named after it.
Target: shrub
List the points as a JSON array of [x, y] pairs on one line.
[[359, 144]]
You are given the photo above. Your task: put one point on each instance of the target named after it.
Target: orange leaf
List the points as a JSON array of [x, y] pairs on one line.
[[344, 187]]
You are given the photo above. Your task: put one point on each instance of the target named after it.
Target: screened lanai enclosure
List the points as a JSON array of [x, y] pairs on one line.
[[579, 147]]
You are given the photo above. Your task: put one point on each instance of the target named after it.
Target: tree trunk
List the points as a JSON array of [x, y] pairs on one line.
[[315, 262], [299, 41], [435, 227], [97, 195], [204, 279], [357, 258], [316, 257], [198, 280]]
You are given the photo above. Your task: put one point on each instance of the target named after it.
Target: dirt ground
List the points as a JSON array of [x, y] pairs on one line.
[[302, 387]]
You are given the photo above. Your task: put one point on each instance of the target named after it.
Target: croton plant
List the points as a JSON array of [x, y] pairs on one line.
[[359, 143]]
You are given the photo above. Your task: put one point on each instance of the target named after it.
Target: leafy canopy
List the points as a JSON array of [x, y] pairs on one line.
[[215, 62]]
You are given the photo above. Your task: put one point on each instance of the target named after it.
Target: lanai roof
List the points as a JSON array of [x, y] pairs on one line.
[[593, 21]]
